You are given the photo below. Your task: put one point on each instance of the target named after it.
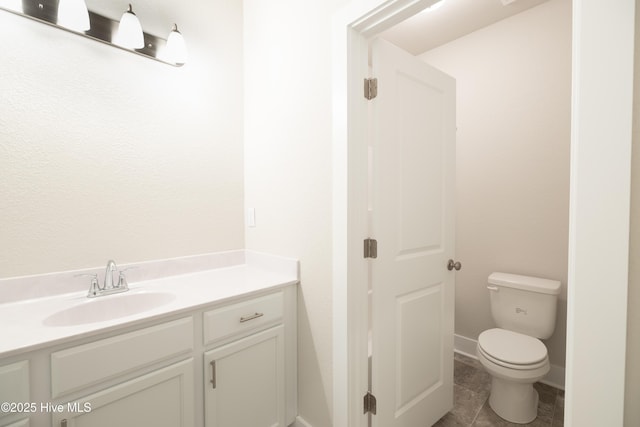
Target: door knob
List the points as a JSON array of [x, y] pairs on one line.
[[451, 265]]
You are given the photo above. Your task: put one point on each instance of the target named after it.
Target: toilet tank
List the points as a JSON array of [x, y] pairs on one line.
[[524, 304]]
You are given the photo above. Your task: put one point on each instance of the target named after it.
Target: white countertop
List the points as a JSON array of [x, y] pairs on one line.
[[23, 322]]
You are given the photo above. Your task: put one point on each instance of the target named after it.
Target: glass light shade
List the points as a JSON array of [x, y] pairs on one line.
[[74, 15], [129, 33], [176, 48]]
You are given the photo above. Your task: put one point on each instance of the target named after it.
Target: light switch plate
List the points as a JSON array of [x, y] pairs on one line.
[[251, 217]]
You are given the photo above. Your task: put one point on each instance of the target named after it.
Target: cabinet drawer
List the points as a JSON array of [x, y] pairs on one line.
[[14, 386], [88, 364], [242, 317]]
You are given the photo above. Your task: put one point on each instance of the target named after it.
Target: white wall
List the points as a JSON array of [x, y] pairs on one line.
[[513, 93], [288, 169], [104, 154]]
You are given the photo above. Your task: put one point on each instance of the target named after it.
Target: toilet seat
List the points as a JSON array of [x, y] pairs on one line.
[[512, 366], [512, 350]]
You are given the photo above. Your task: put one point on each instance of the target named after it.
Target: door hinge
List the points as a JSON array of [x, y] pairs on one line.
[[370, 248], [369, 403], [370, 88]]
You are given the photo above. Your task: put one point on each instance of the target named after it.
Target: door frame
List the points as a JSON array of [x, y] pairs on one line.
[[601, 124], [352, 27]]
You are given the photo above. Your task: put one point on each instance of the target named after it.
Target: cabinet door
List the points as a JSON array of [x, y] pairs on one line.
[[244, 382], [163, 398], [14, 388]]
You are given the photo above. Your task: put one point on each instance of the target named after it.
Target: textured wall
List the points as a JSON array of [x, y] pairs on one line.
[[514, 90], [104, 154]]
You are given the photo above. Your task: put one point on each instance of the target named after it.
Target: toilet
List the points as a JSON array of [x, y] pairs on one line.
[[524, 310]]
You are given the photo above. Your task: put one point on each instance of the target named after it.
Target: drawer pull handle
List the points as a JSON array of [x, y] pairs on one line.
[[213, 373], [251, 317]]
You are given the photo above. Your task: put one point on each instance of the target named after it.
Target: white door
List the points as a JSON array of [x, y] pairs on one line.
[[413, 173]]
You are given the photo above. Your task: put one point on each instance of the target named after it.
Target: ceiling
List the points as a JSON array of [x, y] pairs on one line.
[[453, 19]]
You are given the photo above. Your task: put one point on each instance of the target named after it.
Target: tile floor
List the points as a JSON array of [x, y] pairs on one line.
[[471, 400]]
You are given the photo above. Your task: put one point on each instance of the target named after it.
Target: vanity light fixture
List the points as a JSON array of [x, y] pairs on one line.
[[129, 33], [176, 48], [74, 15]]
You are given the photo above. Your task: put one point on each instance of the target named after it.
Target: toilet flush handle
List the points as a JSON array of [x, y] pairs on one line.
[[493, 288]]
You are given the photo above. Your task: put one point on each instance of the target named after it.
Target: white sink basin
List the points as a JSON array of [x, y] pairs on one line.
[[108, 307]]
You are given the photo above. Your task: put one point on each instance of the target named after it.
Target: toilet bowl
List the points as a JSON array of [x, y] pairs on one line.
[[515, 361], [524, 309]]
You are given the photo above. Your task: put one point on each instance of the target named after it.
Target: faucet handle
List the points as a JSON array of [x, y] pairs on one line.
[[94, 288], [122, 279]]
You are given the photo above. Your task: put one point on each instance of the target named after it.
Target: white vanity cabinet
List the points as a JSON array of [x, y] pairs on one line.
[[245, 377], [151, 373]]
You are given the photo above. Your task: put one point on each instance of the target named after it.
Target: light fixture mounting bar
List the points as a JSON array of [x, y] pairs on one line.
[[103, 29]]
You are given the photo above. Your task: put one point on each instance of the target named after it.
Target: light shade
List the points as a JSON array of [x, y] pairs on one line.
[[176, 48], [129, 33], [74, 15]]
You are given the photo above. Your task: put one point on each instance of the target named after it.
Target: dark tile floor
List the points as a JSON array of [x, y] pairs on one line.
[[471, 400]]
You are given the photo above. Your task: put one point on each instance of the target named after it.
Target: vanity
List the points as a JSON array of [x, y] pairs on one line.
[[213, 347]]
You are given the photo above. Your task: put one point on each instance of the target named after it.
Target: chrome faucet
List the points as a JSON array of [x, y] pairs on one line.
[[109, 287], [108, 275]]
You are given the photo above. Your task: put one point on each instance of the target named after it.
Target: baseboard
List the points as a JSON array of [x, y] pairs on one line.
[[555, 377], [467, 347], [300, 422]]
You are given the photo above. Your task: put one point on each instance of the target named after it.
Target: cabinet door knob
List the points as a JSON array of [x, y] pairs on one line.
[[453, 264]]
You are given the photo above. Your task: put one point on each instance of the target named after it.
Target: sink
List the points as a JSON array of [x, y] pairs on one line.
[[108, 307]]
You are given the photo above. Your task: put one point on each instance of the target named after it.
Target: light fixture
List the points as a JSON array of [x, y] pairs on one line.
[[176, 48], [74, 15], [129, 33]]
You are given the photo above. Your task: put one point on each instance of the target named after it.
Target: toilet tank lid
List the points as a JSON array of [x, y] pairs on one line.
[[526, 283]]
